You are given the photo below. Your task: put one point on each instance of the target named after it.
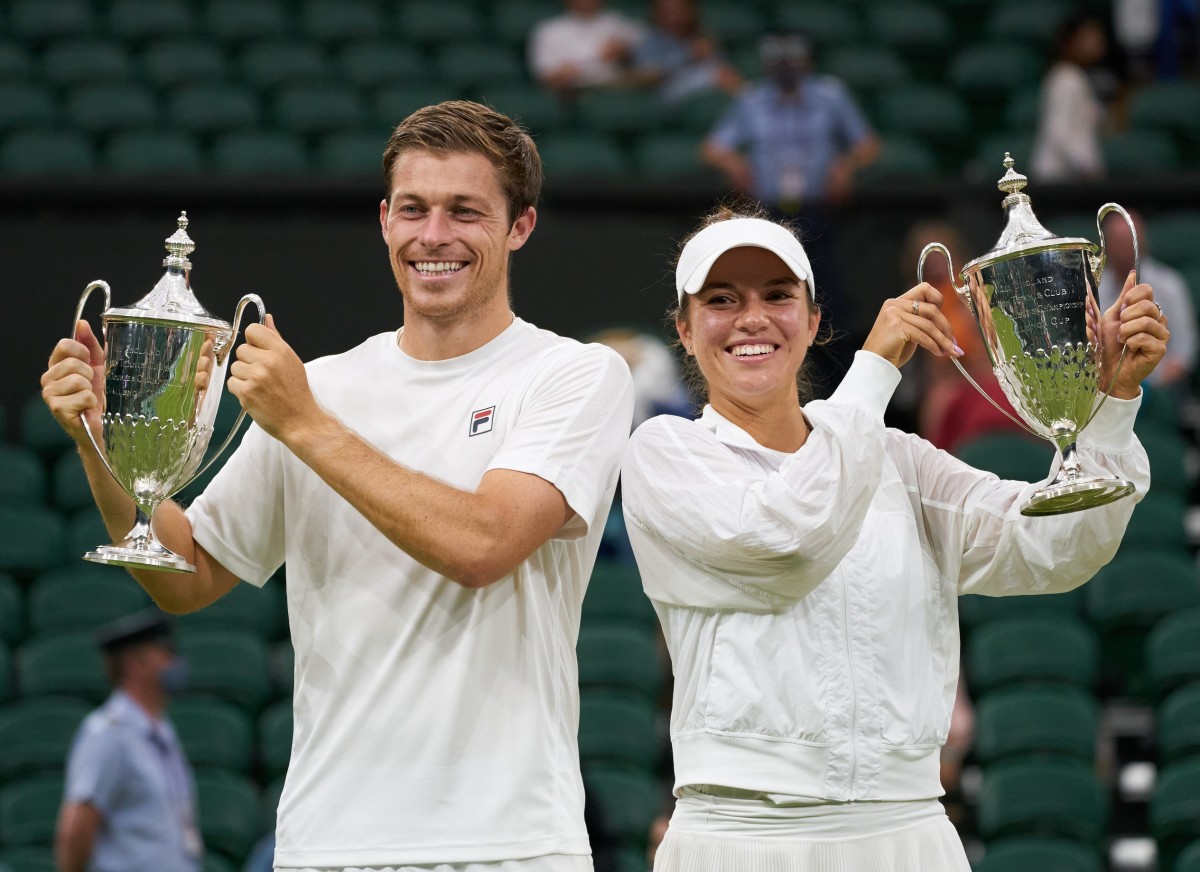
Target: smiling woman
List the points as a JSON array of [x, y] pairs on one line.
[[805, 563]]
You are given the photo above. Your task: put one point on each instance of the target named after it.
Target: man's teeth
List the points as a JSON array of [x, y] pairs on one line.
[[748, 350], [441, 266]]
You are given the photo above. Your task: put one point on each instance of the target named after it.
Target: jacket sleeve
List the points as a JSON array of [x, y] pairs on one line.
[[980, 537], [712, 530]]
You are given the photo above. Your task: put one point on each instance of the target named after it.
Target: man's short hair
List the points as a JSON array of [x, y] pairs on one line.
[[464, 126]]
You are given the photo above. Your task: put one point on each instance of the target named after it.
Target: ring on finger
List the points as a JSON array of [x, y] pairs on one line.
[[916, 307], [1160, 311]]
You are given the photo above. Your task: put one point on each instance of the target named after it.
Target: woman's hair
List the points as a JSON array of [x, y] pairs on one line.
[[460, 126], [697, 384]]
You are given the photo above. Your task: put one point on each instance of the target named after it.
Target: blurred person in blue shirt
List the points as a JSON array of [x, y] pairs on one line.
[[130, 800], [678, 57]]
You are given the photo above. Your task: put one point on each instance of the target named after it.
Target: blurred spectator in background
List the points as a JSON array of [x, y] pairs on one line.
[[1170, 290], [130, 801], [678, 57], [1071, 116], [657, 385], [793, 141], [585, 46]]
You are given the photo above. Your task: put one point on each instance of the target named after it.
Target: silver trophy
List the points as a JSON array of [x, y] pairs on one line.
[[1034, 298], [164, 370]]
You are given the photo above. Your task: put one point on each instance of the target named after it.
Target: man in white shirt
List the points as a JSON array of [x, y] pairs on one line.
[[586, 45], [438, 494]]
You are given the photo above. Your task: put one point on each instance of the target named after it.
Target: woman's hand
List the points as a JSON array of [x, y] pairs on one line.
[[912, 319], [1138, 323]]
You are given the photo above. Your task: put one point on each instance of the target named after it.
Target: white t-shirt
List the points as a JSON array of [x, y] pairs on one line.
[[433, 724], [580, 40]]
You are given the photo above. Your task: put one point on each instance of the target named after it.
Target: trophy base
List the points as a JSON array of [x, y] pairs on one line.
[[153, 557], [1075, 496]]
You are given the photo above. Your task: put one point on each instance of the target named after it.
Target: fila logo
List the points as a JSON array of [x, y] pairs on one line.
[[481, 421]]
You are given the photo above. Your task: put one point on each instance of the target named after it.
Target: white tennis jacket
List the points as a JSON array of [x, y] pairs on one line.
[[809, 600]]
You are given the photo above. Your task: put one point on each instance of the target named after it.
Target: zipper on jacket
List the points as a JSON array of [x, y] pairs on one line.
[[853, 687]]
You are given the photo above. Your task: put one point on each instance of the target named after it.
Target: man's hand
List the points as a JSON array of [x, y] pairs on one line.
[[269, 380], [1136, 322], [73, 382]]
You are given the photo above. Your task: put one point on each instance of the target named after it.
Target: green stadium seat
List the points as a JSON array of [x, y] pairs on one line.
[[213, 733], [6, 673], [1189, 858], [620, 658], [867, 68], [1127, 597], [437, 22], [138, 153], [227, 664], [134, 21], [1174, 237], [514, 19], [111, 108], [619, 112], [61, 664], [227, 806], [212, 108], [393, 103], [734, 21], [85, 530], [990, 72], [1178, 725], [31, 539], [1174, 813], [1056, 648], [82, 600], [245, 608], [258, 152], [1008, 455], [168, 64], [69, 489], [269, 802], [629, 800], [1039, 854], [85, 62], [12, 611], [699, 111], [900, 158], [826, 24], [282, 668], [36, 21], [274, 63], [618, 729], [28, 859], [615, 596], [315, 109], [35, 734], [1167, 451], [351, 153], [913, 28], [29, 810], [931, 112], [235, 21], [16, 65], [1053, 797], [473, 67], [1140, 153], [975, 610], [22, 476], [329, 21], [39, 430], [24, 104], [1157, 521], [1022, 113], [1172, 657], [1170, 106], [673, 158], [1024, 721], [47, 152], [531, 106], [1026, 21], [376, 63], [576, 156], [275, 726], [217, 863]]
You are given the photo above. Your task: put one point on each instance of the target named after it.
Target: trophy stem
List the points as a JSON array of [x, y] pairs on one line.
[[140, 549], [1072, 491]]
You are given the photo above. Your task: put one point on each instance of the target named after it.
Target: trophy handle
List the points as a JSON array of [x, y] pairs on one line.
[[1098, 268], [965, 295], [87, 292], [237, 326]]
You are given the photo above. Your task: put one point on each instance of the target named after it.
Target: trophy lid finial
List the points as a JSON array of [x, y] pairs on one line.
[[1012, 182], [179, 244]]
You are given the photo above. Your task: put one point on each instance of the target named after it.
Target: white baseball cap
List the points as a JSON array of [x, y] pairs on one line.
[[703, 249]]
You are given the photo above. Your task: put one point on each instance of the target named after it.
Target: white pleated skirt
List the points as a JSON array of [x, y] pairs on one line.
[[721, 834]]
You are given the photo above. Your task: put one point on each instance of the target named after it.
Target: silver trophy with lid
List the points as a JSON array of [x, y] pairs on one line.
[[164, 371], [1034, 298]]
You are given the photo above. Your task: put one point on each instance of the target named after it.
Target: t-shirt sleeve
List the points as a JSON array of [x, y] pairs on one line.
[[571, 428], [239, 519], [95, 767]]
